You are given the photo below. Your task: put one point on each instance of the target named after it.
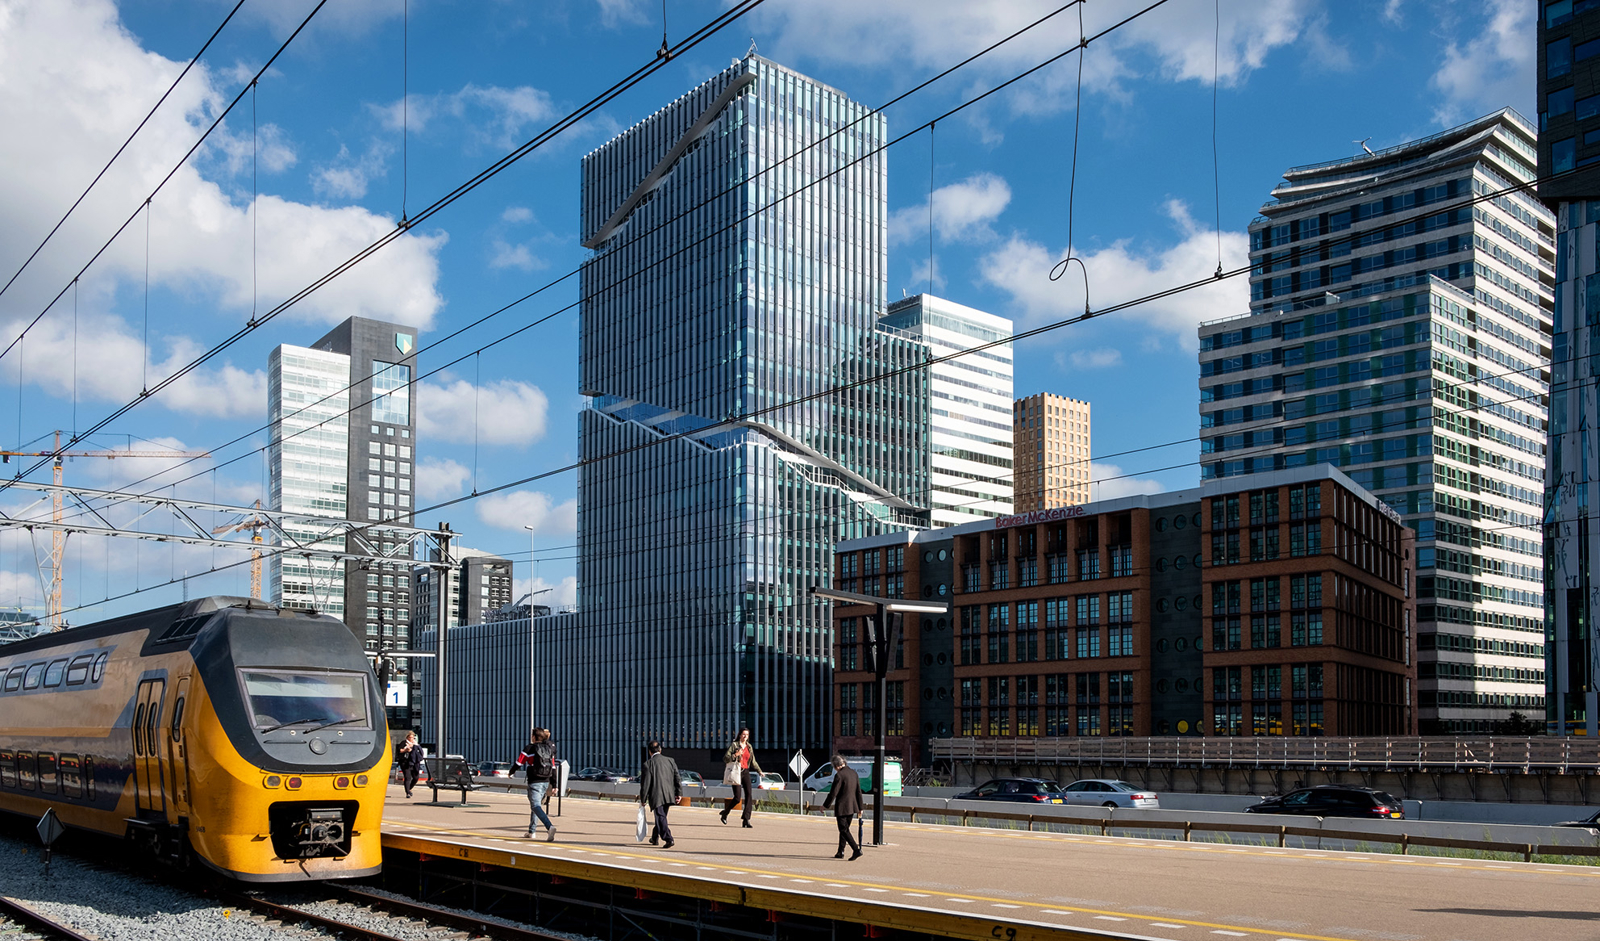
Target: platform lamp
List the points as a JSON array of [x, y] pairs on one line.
[[881, 634]]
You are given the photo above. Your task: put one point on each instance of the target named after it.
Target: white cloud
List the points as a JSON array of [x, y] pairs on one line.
[[1108, 481], [270, 149], [1391, 11], [506, 411], [517, 214], [1121, 272], [961, 211], [440, 479], [515, 509], [1090, 359], [1175, 41], [490, 114], [72, 80], [1492, 69], [506, 255], [555, 594], [346, 177], [617, 12]]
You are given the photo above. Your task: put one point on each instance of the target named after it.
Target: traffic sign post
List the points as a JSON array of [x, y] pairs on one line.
[[50, 830], [798, 765]]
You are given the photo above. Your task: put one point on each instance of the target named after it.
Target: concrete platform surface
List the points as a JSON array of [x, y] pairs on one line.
[[1124, 887]]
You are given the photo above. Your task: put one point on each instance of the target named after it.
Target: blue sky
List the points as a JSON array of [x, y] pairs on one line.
[[1298, 81]]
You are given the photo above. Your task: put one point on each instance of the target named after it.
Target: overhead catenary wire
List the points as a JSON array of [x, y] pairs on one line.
[[103, 170], [722, 20]]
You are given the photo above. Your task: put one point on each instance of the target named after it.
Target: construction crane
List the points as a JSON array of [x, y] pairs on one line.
[[58, 537], [255, 523]]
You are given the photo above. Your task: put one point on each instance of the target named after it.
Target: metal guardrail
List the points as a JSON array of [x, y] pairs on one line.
[[1562, 755]]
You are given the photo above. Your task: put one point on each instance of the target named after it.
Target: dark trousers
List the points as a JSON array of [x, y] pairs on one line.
[[846, 838], [749, 796], [661, 829], [409, 778]]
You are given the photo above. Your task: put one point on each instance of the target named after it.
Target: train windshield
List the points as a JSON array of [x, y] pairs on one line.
[[281, 699]]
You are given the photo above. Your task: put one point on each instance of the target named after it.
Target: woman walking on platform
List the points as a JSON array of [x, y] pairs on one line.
[[738, 763]]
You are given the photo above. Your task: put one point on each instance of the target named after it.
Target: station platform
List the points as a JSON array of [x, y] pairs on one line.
[[974, 882]]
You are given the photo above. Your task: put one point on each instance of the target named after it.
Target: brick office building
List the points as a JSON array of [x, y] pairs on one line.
[[1274, 604]]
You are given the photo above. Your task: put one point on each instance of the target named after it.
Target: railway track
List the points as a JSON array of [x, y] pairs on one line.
[[31, 925], [354, 912]]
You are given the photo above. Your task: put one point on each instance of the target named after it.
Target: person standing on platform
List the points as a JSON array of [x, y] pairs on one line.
[[660, 786], [539, 756], [844, 796], [410, 761], [738, 763]]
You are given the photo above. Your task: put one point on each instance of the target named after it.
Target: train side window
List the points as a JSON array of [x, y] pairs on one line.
[[138, 730], [8, 769], [31, 679], [71, 776], [99, 669], [14, 679], [78, 670], [177, 720], [27, 775], [54, 672], [47, 772], [88, 777]]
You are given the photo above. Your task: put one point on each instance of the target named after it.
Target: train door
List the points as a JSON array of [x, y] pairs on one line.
[[178, 749], [146, 754]]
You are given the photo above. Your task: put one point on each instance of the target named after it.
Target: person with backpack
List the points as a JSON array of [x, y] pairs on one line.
[[540, 758], [660, 787]]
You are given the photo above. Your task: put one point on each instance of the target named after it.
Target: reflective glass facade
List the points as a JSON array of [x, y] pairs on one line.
[[706, 318], [308, 459]]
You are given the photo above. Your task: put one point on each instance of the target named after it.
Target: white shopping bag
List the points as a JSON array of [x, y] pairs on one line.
[[641, 828]]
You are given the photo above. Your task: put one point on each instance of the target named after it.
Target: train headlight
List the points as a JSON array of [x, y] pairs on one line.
[[272, 781], [293, 783], [341, 782], [361, 780]]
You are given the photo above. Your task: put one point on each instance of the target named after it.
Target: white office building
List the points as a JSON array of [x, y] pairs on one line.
[[308, 458], [970, 459]]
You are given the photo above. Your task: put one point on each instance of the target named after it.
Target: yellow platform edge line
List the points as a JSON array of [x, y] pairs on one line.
[[882, 914]]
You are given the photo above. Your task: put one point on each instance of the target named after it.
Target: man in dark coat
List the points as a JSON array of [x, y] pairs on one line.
[[660, 786], [844, 796]]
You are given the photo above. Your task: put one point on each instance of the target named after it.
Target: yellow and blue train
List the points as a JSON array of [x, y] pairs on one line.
[[222, 730]]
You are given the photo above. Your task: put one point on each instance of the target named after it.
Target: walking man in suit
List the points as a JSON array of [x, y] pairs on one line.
[[660, 786], [845, 799]]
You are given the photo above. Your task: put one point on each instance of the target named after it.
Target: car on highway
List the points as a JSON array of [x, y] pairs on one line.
[[691, 778], [602, 775], [1592, 822], [1110, 792], [770, 781], [1333, 800], [1020, 790], [494, 769]]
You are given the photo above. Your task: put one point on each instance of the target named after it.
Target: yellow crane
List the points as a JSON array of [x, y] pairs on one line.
[[58, 539], [255, 524]]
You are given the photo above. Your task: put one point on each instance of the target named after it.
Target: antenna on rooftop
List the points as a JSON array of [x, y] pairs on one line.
[[1363, 143]]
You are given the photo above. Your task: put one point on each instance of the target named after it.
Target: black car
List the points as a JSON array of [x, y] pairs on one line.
[[1333, 800], [1592, 822], [1022, 790]]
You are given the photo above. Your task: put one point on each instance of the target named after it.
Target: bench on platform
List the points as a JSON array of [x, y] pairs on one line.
[[450, 772]]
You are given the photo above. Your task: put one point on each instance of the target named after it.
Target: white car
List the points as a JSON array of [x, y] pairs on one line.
[[1108, 792], [770, 782]]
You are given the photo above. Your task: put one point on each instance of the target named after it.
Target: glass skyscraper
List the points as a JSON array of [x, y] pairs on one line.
[[737, 279], [1403, 335]]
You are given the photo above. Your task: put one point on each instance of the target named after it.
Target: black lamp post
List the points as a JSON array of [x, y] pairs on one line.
[[881, 633]]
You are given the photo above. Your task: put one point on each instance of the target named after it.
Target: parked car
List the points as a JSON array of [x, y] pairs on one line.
[[1109, 792], [1592, 822], [494, 769], [822, 779], [690, 778], [1021, 790], [1333, 800], [770, 781], [601, 774]]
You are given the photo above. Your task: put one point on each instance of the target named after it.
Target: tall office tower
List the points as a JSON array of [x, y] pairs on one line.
[[736, 283], [1401, 335], [479, 583], [1052, 447], [969, 409], [341, 445], [1569, 145]]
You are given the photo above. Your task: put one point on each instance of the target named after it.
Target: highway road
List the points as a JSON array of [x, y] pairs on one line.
[[1126, 887]]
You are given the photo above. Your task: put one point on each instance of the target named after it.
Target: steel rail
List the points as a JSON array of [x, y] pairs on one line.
[[27, 915], [464, 921], [290, 914]]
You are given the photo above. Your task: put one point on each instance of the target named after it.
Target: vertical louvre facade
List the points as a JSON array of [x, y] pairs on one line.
[[1402, 334], [739, 238]]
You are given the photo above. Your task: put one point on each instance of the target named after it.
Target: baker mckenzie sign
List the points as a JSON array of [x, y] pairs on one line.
[[1039, 516]]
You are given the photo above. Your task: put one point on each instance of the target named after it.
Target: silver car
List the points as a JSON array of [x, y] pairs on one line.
[[1106, 792]]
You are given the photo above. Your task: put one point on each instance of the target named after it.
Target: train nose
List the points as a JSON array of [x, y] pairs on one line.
[[308, 831]]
